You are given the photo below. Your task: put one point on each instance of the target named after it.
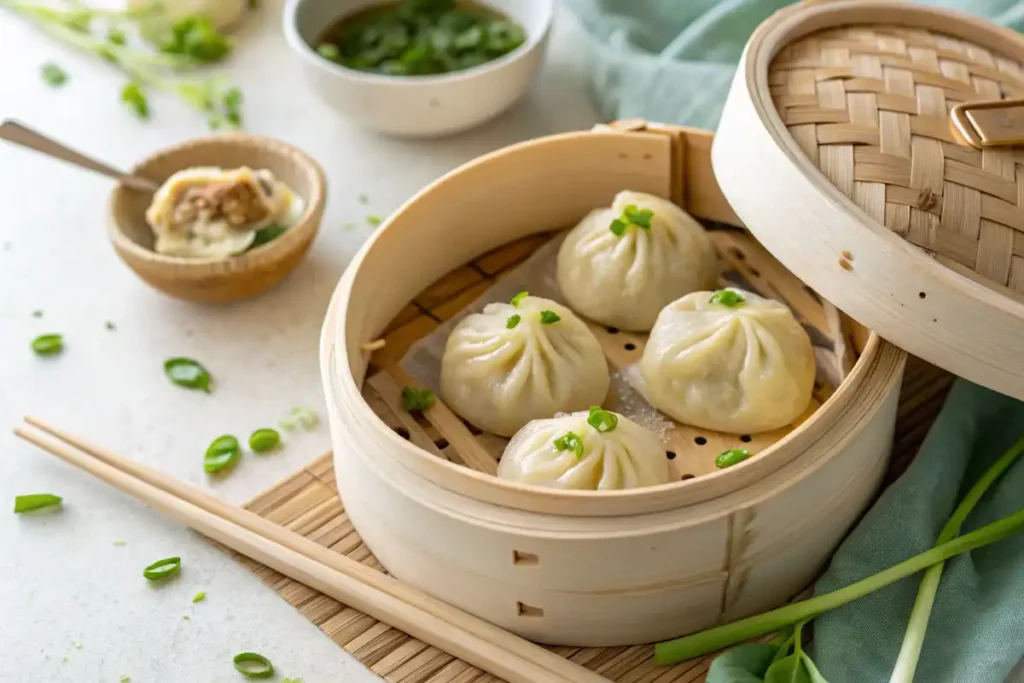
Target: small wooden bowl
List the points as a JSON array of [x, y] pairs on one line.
[[218, 281]]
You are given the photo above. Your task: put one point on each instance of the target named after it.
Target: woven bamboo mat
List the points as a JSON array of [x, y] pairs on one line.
[[307, 502]]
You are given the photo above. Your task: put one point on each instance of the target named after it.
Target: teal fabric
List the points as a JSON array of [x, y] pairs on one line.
[[672, 60], [976, 633]]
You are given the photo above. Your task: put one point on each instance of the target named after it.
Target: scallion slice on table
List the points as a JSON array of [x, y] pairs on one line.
[[187, 373], [48, 344], [263, 440], [222, 454], [300, 416], [163, 569], [35, 501], [253, 665], [199, 597], [54, 75]]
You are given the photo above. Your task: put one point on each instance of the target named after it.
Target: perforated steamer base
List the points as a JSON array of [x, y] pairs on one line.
[[308, 503]]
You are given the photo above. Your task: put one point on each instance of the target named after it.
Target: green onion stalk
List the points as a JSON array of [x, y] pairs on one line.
[[212, 96], [910, 651], [947, 546]]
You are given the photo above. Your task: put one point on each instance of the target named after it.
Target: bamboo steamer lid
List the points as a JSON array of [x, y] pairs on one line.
[[874, 148]]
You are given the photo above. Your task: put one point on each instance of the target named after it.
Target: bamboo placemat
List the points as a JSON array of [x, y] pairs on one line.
[[307, 502]]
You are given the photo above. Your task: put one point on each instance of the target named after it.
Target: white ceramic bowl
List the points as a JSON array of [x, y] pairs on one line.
[[418, 106]]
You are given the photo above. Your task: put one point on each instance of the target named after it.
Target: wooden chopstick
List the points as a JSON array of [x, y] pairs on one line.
[[434, 622]]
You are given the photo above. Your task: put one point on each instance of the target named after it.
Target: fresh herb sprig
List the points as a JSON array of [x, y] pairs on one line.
[[182, 46]]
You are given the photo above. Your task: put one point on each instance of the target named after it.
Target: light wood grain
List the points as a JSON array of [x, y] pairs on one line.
[[873, 169], [333, 574], [217, 281]]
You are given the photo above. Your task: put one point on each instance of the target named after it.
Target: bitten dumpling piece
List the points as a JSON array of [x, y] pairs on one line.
[[209, 212], [730, 361], [621, 265], [593, 451], [516, 362]]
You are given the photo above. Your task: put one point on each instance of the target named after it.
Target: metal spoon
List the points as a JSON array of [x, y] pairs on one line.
[[19, 134]]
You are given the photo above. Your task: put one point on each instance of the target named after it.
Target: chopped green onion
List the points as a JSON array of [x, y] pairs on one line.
[[519, 297], [417, 400], [120, 543], [111, 326], [54, 75], [197, 38], [363, 199], [37, 314], [199, 597], [602, 420], [222, 454], [116, 36], [292, 680], [512, 321], [549, 317], [253, 665], [133, 96], [163, 569], [727, 297], [374, 220], [48, 344], [570, 441], [35, 501], [631, 215], [267, 234], [263, 440], [731, 457], [125, 679], [329, 51], [299, 417], [188, 373]]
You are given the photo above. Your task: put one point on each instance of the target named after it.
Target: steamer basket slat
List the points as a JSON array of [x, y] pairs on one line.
[[587, 568]]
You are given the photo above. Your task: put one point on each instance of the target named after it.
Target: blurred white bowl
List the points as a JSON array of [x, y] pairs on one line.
[[418, 106]]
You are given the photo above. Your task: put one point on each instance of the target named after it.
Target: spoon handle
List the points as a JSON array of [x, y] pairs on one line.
[[12, 131]]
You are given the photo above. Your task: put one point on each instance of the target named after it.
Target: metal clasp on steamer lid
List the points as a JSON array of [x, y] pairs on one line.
[[989, 123]]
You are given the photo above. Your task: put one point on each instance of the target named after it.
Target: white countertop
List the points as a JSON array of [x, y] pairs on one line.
[[74, 606]]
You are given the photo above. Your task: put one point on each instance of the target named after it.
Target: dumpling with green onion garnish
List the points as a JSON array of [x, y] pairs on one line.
[[595, 450], [516, 362], [621, 265], [730, 361]]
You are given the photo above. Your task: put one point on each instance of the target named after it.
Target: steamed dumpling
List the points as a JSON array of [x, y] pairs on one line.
[[730, 361], [510, 364], [569, 452], [624, 280]]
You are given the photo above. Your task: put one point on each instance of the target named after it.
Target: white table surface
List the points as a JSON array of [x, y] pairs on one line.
[[73, 606]]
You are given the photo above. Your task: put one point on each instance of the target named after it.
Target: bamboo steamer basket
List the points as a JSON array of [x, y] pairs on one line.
[[873, 147], [573, 567]]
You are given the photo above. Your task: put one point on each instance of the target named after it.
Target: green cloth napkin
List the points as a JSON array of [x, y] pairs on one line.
[[976, 633], [672, 60]]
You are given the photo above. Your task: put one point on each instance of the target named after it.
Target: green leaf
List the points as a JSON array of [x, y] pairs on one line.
[[788, 670], [742, 664], [163, 569], [727, 297], [549, 318], [36, 501], [267, 234], [48, 344], [221, 455], [263, 440], [133, 96], [187, 373], [570, 441], [415, 399], [519, 297], [602, 420], [253, 665], [512, 321], [731, 457], [54, 75], [812, 670]]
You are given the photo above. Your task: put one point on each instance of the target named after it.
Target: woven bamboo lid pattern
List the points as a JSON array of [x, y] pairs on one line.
[[870, 105]]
